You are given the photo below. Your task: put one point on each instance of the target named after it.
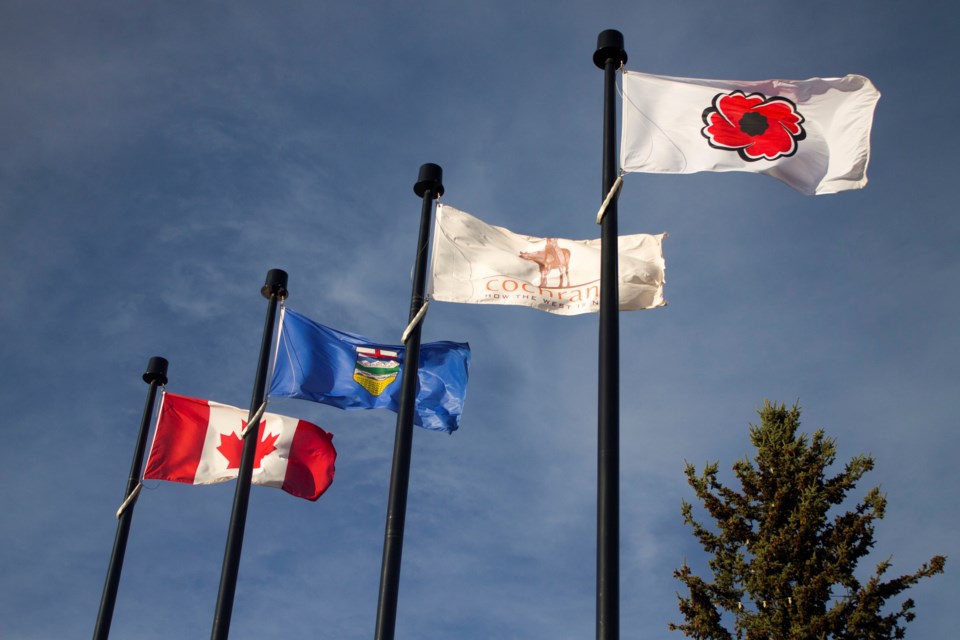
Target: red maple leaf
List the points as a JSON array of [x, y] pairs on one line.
[[231, 446]]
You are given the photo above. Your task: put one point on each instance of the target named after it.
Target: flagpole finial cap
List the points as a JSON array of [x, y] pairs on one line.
[[276, 284], [156, 371], [609, 45], [430, 179]]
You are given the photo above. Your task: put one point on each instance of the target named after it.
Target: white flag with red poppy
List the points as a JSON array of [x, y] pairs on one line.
[[812, 134], [198, 442]]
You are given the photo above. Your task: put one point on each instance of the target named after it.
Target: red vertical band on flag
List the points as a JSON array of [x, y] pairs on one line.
[[178, 443], [310, 465]]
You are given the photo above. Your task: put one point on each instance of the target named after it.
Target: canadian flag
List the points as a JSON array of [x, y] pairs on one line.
[[198, 442]]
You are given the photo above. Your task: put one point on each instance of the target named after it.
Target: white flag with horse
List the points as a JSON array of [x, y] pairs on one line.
[[475, 262]]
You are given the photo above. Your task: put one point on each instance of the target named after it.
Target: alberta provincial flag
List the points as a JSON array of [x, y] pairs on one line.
[[349, 371], [814, 134]]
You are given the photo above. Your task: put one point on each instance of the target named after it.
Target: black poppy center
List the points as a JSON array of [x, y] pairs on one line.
[[753, 124]]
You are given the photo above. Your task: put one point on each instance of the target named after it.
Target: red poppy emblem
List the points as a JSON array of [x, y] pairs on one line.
[[754, 126]]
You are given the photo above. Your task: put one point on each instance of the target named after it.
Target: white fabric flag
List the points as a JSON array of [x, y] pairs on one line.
[[812, 134], [475, 262]]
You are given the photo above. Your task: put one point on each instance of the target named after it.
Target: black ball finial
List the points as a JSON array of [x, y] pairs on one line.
[[609, 45], [431, 178]]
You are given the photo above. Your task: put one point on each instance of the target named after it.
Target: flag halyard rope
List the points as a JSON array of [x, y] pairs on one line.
[[614, 190], [130, 501], [254, 420], [414, 322], [276, 348]]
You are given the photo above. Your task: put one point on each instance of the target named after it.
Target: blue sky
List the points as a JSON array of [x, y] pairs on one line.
[[156, 159]]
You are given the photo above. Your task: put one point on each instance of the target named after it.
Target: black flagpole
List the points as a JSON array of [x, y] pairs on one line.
[[274, 291], [609, 56], [429, 187], [155, 376]]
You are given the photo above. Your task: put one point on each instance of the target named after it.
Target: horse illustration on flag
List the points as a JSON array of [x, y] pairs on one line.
[[551, 258]]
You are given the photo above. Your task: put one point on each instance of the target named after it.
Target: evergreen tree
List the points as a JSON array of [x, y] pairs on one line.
[[782, 557]]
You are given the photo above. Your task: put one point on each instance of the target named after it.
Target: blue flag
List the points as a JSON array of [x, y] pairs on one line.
[[349, 371]]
